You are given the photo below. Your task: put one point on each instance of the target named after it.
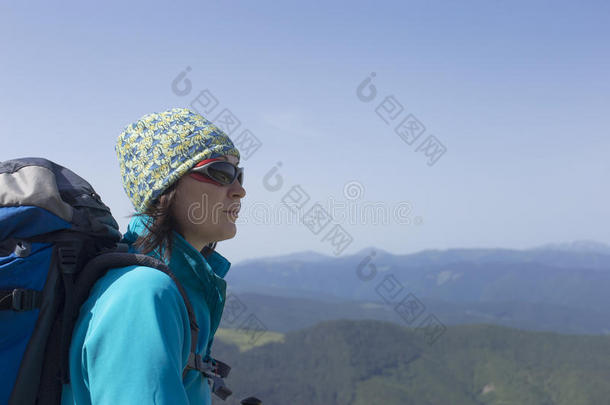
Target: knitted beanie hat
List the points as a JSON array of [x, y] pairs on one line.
[[158, 149]]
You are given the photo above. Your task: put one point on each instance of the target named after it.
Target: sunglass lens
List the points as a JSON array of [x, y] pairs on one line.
[[222, 172]]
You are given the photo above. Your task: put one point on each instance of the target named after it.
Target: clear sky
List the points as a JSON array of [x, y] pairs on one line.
[[517, 92]]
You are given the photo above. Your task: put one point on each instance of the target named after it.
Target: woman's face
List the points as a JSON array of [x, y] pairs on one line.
[[203, 210]]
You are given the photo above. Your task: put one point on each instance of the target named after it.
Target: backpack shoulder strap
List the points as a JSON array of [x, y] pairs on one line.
[[99, 265]]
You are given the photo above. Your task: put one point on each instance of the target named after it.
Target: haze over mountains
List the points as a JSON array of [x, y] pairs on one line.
[[555, 287]]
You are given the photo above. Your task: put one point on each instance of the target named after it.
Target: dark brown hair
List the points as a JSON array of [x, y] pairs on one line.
[[160, 229]]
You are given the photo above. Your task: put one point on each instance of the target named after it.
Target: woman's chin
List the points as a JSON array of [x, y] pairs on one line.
[[229, 231]]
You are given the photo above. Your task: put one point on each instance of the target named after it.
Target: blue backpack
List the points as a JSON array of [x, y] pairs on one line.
[[57, 238]]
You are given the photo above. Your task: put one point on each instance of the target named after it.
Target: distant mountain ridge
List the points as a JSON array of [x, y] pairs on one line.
[[534, 275], [585, 246], [307, 255], [536, 252], [535, 288]]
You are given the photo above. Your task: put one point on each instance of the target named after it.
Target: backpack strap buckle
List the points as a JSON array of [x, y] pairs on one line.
[[220, 368], [209, 366], [220, 389], [21, 299], [212, 369], [68, 258]]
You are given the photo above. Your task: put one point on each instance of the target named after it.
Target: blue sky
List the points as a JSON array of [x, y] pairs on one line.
[[517, 92]]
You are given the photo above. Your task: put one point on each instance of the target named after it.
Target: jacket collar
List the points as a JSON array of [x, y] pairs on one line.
[[186, 262]]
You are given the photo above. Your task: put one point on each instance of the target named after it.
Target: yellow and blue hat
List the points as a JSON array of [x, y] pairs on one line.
[[159, 148]]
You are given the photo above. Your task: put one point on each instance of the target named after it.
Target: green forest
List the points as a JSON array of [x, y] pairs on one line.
[[374, 362]]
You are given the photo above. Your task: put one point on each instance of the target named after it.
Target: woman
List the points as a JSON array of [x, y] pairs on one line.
[[132, 339]]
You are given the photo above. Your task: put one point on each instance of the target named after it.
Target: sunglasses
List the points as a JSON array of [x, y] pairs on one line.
[[219, 172]]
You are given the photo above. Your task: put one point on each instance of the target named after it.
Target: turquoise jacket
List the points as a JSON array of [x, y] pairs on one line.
[[131, 341]]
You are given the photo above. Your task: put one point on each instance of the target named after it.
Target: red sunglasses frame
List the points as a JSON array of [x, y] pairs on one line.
[[199, 172]]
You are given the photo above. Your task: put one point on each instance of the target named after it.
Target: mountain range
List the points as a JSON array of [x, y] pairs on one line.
[[555, 287]]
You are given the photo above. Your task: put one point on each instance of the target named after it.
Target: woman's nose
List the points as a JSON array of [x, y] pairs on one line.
[[237, 190]]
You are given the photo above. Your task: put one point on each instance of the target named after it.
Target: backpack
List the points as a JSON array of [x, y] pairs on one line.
[[57, 238]]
